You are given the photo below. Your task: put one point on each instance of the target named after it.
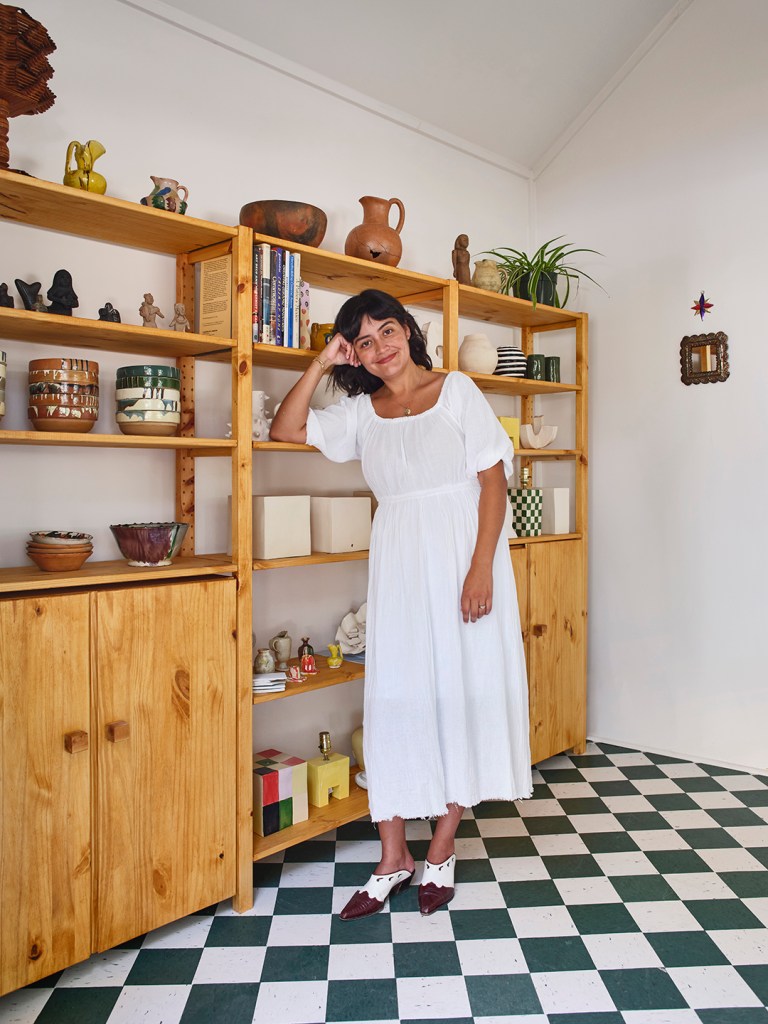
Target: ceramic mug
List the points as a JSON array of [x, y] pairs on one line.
[[534, 367], [552, 369]]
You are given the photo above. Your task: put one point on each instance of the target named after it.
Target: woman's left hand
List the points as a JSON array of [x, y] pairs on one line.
[[477, 594]]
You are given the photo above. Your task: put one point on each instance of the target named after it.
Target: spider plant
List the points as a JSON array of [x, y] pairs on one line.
[[535, 277]]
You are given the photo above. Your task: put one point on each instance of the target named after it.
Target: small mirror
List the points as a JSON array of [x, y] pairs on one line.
[[704, 358]]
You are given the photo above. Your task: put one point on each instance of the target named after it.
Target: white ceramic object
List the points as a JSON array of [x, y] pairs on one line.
[[61, 538], [477, 354], [281, 525], [340, 524], [535, 435], [555, 511], [433, 336]]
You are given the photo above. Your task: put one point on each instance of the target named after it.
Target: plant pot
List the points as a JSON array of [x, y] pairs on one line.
[[546, 289]]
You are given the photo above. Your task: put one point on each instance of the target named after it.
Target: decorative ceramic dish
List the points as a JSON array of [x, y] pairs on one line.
[[60, 537]]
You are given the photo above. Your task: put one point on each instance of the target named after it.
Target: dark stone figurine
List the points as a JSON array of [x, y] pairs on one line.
[[460, 256], [108, 312], [28, 293], [5, 298], [62, 295]]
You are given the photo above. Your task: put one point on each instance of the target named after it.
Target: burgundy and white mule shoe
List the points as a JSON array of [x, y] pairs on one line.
[[372, 898], [436, 887]]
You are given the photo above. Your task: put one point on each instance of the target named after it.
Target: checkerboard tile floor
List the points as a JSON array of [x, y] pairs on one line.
[[632, 889]]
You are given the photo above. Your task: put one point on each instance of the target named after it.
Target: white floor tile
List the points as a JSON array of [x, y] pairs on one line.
[[652, 787], [490, 828], [621, 951], [628, 804], [663, 916], [753, 837], [361, 960], [730, 859], [659, 839], [761, 812], [359, 851], [633, 862], [572, 992], [24, 1006], [586, 824], [572, 790], [540, 922], [759, 907], [264, 899], [412, 926], [684, 770], [418, 829], [740, 783], [716, 798], [290, 1002], [743, 946], [150, 1004], [712, 987], [432, 998], [565, 844], [478, 896], [630, 760], [541, 809], [689, 819], [579, 891], [518, 869], [102, 969], [306, 874], [470, 849], [235, 965], [300, 930], [699, 886], [661, 1017], [603, 775], [188, 933], [491, 956], [536, 1018], [556, 763]]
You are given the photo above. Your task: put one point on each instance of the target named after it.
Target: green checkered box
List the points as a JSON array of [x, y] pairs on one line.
[[527, 508]]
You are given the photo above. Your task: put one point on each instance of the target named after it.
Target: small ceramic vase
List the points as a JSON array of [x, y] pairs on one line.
[[320, 335], [535, 367], [165, 195], [477, 354], [280, 646], [374, 239], [552, 369], [487, 275], [264, 660]]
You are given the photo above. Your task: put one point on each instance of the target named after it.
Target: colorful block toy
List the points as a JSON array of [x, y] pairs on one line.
[[279, 791], [327, 776]]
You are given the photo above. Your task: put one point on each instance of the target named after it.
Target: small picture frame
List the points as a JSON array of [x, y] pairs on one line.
[[704, 358]]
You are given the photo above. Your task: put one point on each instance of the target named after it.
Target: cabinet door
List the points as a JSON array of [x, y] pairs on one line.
[[45, 849], [557, 639], [166, 764]]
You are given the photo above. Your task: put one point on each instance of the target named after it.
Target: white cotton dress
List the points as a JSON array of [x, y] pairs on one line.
[[446, 702]]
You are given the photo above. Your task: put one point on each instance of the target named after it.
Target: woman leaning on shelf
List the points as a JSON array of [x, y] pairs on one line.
[[446, 722]]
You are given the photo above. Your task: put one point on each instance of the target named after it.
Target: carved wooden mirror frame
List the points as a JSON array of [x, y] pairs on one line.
[[710, 352]]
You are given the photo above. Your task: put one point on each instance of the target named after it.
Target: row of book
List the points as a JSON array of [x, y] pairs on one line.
[[280, 298]]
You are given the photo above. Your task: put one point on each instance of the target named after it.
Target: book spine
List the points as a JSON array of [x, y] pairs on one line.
[[305, 340], [256, 305], [266, 291], [276, 326], [296, 299], [289, 271]]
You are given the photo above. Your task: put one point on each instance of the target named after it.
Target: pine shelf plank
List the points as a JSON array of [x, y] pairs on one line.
[[316, 558], [29, 577], [520, 386], [345, 673], [51, 438], [491, 307], [544, 538]]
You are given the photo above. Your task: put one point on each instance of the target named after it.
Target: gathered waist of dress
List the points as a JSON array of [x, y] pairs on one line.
[[469, 486]]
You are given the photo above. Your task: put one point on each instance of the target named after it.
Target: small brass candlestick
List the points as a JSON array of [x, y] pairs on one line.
[[324, 746]]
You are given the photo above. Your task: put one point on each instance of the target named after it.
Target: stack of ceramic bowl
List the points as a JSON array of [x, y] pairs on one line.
[[510, 362], [57, 551], [2, 384], [63, 394], [148, 400]]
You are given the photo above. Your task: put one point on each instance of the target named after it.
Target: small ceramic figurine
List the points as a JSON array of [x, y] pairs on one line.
[[83, 175], [62, 294], [39, 306], [149, 312], [335, 660], [460, 256], [5, 298], [260, 422], [179, 322], [28, 292], [307, 656], [108, 312]]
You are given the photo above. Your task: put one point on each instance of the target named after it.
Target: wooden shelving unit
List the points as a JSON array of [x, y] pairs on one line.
[[345, 673]]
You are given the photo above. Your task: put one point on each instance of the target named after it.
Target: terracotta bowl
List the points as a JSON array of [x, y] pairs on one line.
[[58, 559], [281, 218], [149, 543], [81, 365]]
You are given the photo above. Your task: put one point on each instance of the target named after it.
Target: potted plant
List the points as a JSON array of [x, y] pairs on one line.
[[535, 277]]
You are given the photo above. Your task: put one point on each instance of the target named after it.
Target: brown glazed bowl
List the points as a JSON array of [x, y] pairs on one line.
[[58, 559], [149, 543], [281, 218]]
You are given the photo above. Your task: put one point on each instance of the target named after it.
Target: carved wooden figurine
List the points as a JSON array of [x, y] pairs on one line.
[[460, 256]]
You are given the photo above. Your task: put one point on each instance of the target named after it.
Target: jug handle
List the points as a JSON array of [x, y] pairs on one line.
[[399, 205], [179, 188]]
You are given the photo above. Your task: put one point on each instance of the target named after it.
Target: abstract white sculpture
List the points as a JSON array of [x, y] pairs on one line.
[[535, 435]]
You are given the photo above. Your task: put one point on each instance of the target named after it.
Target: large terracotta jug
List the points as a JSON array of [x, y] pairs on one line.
[[374, 239]]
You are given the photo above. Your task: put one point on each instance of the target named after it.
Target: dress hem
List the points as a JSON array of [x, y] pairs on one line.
[[430, 815]]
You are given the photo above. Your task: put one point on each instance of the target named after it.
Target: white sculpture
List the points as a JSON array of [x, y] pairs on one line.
[[534, 435], [260, 422], [351, 633]]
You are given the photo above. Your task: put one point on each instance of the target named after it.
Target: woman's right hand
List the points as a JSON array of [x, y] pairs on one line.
[[340, 352]]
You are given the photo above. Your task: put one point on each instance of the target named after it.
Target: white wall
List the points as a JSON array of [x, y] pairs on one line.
[[668, 180], [164, 101]]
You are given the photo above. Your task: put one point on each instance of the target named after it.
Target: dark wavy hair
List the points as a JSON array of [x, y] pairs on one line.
[[355, 380]]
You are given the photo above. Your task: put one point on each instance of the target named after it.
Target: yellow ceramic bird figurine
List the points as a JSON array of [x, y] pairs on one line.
[[83, 175], [335, 660]]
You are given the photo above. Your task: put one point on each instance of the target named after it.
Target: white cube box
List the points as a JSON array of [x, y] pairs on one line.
[[341, 524], [281, 525], [556, 512]]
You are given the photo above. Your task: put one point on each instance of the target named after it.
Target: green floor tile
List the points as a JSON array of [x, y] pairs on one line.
[[351, 873], [643, 888], [609, 842], [558, 953], [502, 995], [496, 809], [371, 999], [531, 894], [50, 980], [481, 924], [231, 1003], [135, 943], [737, 1015], [612, 748], [79, 1006], [591, 761], [304, 900], [467, 829], [266, 875], [664, 758], [646, 988], [676, 862], [558, 776], [584, 805], [746, 884], [686, 949], [754, 797], [617, 788], [714, 769], [643, 771], [239, 931], [205, 911], [510, 846], [377, 928], [602, 918], [317, 851], [580, 865], [164, 967], [761, 855], [357, 830], [757, 979], [549, 825], [437, 1020], [672, 802], [542, 792], [714, 915], [474, 869], [585, 1018], [735, 817], [641, 821], [707, 838], [699, 784], [426, 959], [295, 963]]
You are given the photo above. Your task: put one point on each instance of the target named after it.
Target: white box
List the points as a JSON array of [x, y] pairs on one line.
[[341, 524], [556, 513], [281, 525]]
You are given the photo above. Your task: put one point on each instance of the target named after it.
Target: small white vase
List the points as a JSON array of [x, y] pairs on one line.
[[477, 354]]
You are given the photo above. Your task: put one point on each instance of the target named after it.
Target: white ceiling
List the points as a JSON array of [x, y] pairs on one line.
[[511, 78]]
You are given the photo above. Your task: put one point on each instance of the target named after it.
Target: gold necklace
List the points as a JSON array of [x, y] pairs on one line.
[[406, 408]]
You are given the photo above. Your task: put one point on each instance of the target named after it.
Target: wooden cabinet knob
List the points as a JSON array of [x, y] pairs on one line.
[[118, 731], [75, 741], [539, 629]]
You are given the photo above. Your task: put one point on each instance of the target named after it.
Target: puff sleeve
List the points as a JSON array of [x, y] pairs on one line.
[[334, 430], [485, 440]]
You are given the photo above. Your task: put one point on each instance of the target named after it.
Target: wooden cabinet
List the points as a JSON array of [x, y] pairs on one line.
[[117, 767]]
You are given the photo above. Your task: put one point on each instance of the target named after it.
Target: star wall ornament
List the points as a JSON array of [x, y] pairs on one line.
[[701, 306]]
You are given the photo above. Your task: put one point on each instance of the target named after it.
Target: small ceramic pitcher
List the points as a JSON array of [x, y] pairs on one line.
[[165, 195], [280, 645]]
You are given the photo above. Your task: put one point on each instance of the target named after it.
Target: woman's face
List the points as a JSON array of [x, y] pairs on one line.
[[382, 346]]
